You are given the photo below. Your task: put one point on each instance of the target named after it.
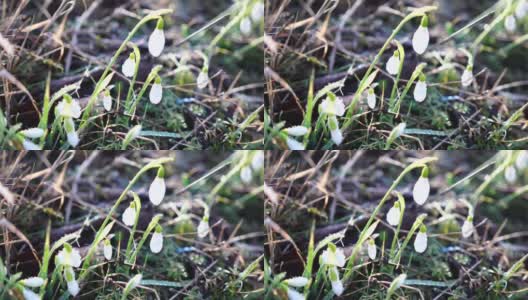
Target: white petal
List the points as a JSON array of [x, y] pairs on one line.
[[298, 281], [467, 78], [336, 258], [134, 282], [156, 42], [294, 144], [107, 103], [257, 162], [294, 295], [129, 216], [157, 190], [337, 136], [393, 216], [372, 251], [340, 257], [108, 251], [510, 174], [75, 258], [420, 243], [202, 80], [371, 100], [510, 23], [28, 145], [33, 133], [75, 109], [73, 138], [467, 229], [156, 242], [420, 40], [128, 67], [522, 160], [337, 287], [393, 65], [339, 107], [257, 12], [420, 91], [421, 190], [73, 287], [203, 229], [33, 282], [245, 26], [30, 295], [246, 174], [156, 92], [522, 9], [296, 130], [400, 129]]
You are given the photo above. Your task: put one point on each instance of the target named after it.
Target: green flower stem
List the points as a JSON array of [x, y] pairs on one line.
[[150, 227], [489, 28], [395, 108], [131, 108], [417, 223]]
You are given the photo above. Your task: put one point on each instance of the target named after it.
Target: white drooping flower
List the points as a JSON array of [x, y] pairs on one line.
[[420, 243], [107, 100], [129, 216], [294, 144], [69, 256], [129, 66], [245, 26], [521, 162], [69, 108], [203, 79], [337, 285], [420, 91], [333, 256], [30, 295], [33, 282], [107, 249], [298, 281], [246, 175], [522, 9], [510, 23], [510, 174], [393, 216], [156, 91], [371, 249], [467, 76], [467, 227], [257, 12], [257, 161], [32, 133], [133, 283], [156, 242], [157, 187], [421, 190], [203, 227], [393, 64], [335, 131], [420, 39], [296, 130], [29, 145], [371, 99], [73, 285], [71, 134], [333, 105], [294, 295], [156, 41]]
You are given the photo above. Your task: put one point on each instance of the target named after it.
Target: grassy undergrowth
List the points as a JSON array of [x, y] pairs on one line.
[[352, 224], [207, 210]]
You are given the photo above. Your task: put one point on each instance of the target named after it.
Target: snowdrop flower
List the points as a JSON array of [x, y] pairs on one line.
[[132, 284], [294, 144], [335, 131], [156, 91], [298, 281], [156, 41], [203, 79], [129, 66], [420, 39], [467, 227], [69, 256], [257, 162], [333, 256], [421, 187], [107, 249], [29, 145], [510, 174], [521, 162], [333, 105], [71, 134], [245, 26], [32, 133], [246, 174], [294, 295], [371, 99], [420, 90], [393, 216], [33, 282], [73, 285], [69, 108], [156, 242], [420, 243], [107, 100], [30, 295], [129, 216], [467, 76], [393, 64], [371, 249], [296, 130], [203, 227], [257, 12], [337, 285], [157, 187], [522, 9], [510, 23]]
